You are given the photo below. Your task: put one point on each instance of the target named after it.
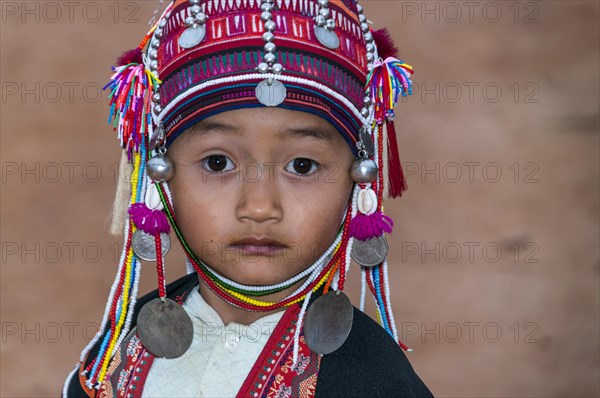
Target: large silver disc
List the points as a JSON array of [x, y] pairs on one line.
[[271, 93], [144, 246], [165, 329], [192, 36], [369, 253], [328, 322], [327, 37]]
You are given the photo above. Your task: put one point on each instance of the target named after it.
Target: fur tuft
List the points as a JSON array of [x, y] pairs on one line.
[[385, 44], [130, 57]]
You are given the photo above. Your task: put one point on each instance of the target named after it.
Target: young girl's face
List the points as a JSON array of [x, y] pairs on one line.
[[260, 194]]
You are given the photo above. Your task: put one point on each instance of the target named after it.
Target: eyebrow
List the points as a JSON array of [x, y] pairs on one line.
[[204, 127]]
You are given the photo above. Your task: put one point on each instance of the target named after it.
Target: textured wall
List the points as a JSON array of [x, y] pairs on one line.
[[495, 258]]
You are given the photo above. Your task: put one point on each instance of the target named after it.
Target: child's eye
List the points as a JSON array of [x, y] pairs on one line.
[[217, 163], [302, 166]]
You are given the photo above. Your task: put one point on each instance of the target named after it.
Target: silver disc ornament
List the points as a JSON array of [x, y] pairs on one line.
[[192, 36], [165, 329], [328, 322], [327, 37], [144, 245], [270, 92], [371, 252]]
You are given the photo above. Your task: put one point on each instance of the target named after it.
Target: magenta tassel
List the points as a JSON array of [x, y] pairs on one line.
[[150, 221], [365, 227], [385, 44], [130, 57]]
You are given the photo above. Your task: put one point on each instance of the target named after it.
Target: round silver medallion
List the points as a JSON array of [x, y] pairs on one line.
[[164, 328], [144, 246], [328, 322], [327, 37], [270, 93], [369, 253], [192, 36]]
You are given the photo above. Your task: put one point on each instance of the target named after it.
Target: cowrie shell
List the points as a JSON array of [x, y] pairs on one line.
[[152, 198], [367, 201]]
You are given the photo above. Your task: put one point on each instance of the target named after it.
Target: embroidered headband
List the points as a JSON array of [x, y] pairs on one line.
[[203, 57]]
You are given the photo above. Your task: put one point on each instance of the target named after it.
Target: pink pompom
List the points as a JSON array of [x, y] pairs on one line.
[[130, 57], [365, 227], [153, 222]]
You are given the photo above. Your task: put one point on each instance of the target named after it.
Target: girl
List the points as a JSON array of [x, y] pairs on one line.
[[261, 132]]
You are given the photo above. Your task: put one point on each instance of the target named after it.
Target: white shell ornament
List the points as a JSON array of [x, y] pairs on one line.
[[152, 198], [367, 201]]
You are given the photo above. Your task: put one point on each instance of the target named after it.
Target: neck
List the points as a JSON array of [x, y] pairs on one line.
[[230, 313]]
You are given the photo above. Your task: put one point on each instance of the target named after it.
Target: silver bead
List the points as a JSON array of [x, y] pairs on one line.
[[362, 18], [266, 16], [157, 109], [158, 33], [359, 8], [330, 24], [194, 2], [155, 43], [325, 12], [367, 100], [195, 9], [370, 47], [365, 27], [162, 23], [270, 58], [323, 3], [270, 26], [370, 57], [156, 97], [266, 7], [368, 37], [268, 36], [270, 47], [364, 112], [320, 20], [153, 54], [154, 65], [277, 68], [201, 18], [361, 170], [160, 168], [263, 67]]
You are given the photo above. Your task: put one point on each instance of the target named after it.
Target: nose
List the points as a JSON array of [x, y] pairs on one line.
[[259, 200]]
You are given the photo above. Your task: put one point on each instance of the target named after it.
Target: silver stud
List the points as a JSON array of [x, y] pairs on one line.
[[270, 58], [270, 26], [277, 68], [330, 24], [368, 37], [362, 18], [156, 97], [364, 112], [190, 21], [154, 43], [359, 8], [158, 33], [266, 16], [201, 18], [270, 47], [266, 7], [162, 23], [320, 20], [153, 54], [268, 36], [154, 65], [158, 109], [363, 170], [194, 2], [325, 12], [370, 47], [263, 67], [323, 3], [367, 100], [195, 9], [370, 57], [365, 27]]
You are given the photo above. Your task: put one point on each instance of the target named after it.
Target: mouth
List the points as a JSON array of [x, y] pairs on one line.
[[258, 246]]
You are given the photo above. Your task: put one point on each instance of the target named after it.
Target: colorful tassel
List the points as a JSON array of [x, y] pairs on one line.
[[364, 227], [153, 222], [386, 82]]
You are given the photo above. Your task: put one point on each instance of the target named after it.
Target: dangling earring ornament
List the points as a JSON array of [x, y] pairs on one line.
[[164, 328], [324, 27], [196, 24]]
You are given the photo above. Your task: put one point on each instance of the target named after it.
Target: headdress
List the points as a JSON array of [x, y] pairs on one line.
[[203, 57]]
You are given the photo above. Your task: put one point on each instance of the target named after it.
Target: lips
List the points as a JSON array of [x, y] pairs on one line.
[[258, 246]]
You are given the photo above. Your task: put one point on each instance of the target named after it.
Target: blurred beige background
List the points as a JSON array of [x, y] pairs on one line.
[[495, 258]]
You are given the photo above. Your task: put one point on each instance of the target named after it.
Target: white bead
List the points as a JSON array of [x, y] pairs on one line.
[[367, 201], [152, 199]]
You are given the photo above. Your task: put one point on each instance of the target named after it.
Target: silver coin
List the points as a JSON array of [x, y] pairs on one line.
[[367, 141], [328, 322], [369, 253], [144, 246], [192, 36], [327, 37], [164, 328], [271, 93]]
